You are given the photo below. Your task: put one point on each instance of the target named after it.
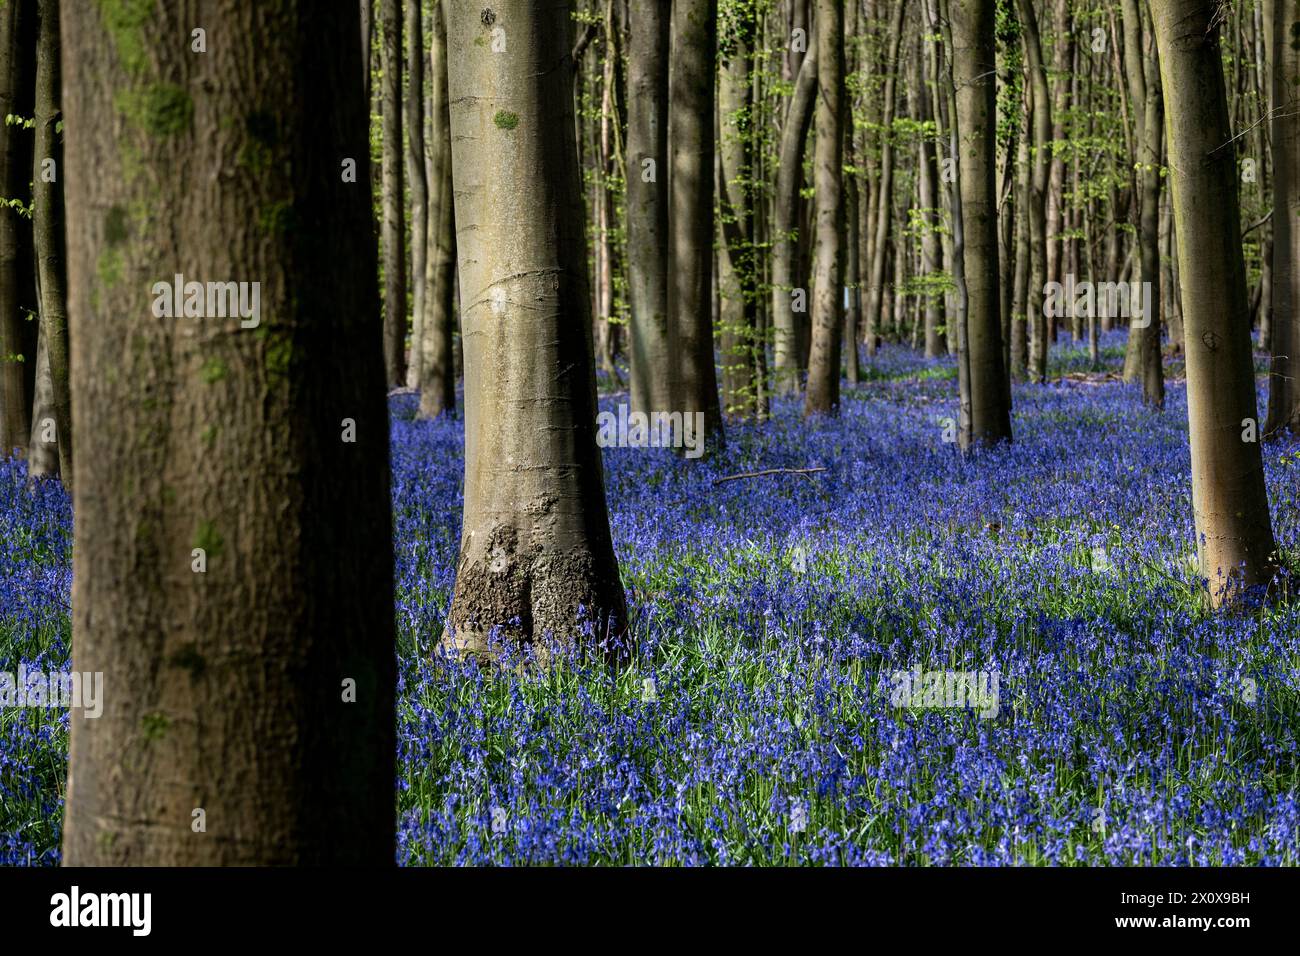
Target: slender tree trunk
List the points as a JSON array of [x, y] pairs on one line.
[[394, 204], [419, 187], [367, 41], [1284, 375], [975, 77], [438, 363], [43, 451], [738, 306], [606, 252], [536, 561], [1036, 210], [694, 30], [823, 396], [1147, 103], [789, 288], [885, 209], [1019, 363], [1233, 528], [246, 640], [647, 207], [48, 235], [852, 193], [17, 335]]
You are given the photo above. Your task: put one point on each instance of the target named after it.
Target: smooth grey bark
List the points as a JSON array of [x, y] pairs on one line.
[[48, 242], [1036, 209], [394, 193], [415, 177], [225, 690], [1234, 530], [786, 280], [880, 245], [437, 339], [647, 207], [536, 561], [43, 451], [823, 393], [1284, 373], [1147, 104]]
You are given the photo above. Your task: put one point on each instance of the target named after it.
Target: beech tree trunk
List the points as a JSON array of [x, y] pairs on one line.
[[743, 370], [789, 287], [419, 187], [1284, 377], [975, 77], [690, 138], [18, 337], [1147, 103], [394, 203], [437, 337], [823, 395], [647, 207], [234, 477], [1036, 210], [48, 236], [536, 561], [885, 208], [1233, 528]]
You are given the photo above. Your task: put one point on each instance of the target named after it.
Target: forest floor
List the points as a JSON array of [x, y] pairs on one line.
[[761, 721]]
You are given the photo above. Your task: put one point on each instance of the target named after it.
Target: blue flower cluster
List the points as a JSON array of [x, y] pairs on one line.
[[756, 724]]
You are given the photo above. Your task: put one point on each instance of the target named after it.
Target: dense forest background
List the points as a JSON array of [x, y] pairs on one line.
[[625, 431]]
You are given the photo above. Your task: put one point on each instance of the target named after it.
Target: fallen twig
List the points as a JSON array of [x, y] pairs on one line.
[[769, 471]]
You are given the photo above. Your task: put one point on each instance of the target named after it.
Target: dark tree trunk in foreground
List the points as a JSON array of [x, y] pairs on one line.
[[823, 395], [647, 207], [1284, 378], [975, 77], [1233, 528], [226, 736], [394, 227], [691, 141], [47, 228], [536, 558]]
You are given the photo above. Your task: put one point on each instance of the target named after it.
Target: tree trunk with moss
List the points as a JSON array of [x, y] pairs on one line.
[[536, 561], [232, 578], [394, 201], [1234, 531], [743, 371]]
